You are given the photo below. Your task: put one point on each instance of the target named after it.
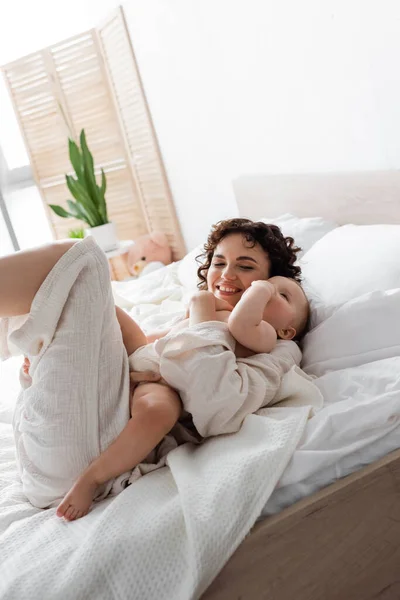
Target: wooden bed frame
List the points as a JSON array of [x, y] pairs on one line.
[[342, 543]]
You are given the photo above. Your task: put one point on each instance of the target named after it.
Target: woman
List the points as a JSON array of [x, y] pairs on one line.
[[66, 289]]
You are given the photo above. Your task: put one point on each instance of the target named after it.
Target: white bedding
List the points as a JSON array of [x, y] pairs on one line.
[[172, 531], [360, 421], [166, 536], [110, 553]]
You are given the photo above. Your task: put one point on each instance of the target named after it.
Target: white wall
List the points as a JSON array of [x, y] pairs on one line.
[[241, 86], [265, 86]]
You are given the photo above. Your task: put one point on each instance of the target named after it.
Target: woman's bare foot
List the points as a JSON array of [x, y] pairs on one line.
[[78, 501]]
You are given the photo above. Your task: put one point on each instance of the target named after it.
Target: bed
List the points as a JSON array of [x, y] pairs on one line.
[[342, 541], [331, 528]]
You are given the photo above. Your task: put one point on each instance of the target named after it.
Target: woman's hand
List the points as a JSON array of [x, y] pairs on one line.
[[137, 377], [26, 365]]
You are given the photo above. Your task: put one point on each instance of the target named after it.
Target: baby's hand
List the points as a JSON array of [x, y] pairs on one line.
[[200, 295], [207, 298], [264, 287], [137, 377]]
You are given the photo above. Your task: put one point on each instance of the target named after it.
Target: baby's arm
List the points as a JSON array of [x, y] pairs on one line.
[[155, 410], [245, 322], [201, 308]]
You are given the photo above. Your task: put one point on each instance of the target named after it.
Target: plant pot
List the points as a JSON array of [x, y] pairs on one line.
[[105, 236]]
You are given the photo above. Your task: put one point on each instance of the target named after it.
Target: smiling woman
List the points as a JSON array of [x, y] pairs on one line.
[[239, 251], [235, 265]]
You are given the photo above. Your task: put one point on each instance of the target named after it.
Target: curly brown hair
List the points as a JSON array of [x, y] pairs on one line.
[[281, 250]]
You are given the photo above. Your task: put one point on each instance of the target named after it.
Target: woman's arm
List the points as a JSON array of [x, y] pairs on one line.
[[245, 322], [132, 336], [152, 337]]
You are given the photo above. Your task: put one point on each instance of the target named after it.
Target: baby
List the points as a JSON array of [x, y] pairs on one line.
[[267, 311]]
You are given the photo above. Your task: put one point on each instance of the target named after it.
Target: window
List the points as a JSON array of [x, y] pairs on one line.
[[23, 221]]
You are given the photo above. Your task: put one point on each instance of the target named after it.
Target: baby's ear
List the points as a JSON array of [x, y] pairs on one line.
[[286, 334]]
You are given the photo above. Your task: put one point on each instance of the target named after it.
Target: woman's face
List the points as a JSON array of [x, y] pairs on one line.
[[235, 264]]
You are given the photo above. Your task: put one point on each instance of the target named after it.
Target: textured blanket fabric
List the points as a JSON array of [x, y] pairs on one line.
[[166, 536]]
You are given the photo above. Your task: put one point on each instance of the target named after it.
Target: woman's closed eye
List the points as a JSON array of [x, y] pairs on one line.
[[243, 267]]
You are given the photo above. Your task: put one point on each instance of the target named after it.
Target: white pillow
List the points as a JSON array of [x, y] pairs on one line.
[[187, 270], [362, 330], [350, 261], [305, 231]]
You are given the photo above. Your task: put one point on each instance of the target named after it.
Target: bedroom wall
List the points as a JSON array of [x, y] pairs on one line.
[[262, 86], [239, 86]]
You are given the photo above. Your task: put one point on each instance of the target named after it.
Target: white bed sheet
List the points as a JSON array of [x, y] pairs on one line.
[[359, 423]]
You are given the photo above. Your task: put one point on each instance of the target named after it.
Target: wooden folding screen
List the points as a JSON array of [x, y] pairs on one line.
[[91, 81]]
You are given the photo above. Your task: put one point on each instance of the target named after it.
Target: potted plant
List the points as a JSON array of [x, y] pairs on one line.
[[90, 203], [76, 234]]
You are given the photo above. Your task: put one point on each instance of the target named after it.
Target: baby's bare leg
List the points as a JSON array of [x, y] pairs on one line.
[[155, 409], [22, 274]]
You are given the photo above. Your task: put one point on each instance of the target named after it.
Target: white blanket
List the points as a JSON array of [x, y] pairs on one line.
[[169, 533], [166, 536]]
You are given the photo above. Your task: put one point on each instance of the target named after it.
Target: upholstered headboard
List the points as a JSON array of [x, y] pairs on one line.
[[361, 197]]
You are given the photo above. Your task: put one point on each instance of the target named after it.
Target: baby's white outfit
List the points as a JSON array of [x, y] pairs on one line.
[[217, 389]]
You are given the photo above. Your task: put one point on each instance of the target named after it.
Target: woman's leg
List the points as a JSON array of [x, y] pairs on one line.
[[22, 274], [78, 402]]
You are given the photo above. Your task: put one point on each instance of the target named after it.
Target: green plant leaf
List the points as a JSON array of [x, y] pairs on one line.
[[90, 178], [76, 160], [79, 212], [60, 211], [83, 199], [76, 234], [73, 209], [102, 191], [103, 182]]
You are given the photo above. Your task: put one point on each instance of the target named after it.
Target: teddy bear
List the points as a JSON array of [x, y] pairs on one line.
[[148, 253]]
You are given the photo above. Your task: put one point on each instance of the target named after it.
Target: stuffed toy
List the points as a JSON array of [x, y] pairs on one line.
[[148, 253]]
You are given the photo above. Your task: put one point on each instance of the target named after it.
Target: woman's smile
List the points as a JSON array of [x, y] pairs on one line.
[[235, 264]]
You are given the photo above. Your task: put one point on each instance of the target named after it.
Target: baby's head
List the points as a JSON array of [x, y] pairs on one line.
[[288, 309]]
